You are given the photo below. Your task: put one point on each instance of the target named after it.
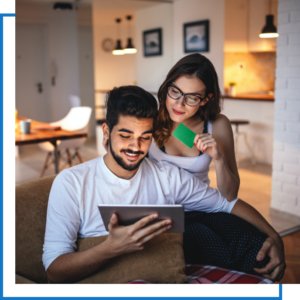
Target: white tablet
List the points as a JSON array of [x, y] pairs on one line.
[[129, 214]]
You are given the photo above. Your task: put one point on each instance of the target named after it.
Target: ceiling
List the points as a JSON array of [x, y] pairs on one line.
[[107, 4]]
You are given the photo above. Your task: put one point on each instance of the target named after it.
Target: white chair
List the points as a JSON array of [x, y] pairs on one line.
[[76, 120], [74, 101]]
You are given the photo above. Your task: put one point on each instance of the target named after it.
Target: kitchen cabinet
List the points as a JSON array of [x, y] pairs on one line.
[[244, 20]]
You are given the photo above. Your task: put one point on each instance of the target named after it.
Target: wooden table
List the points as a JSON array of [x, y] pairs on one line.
[[38, 136]]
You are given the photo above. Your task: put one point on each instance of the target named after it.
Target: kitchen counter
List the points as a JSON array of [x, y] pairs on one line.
[[259, 112], [251, 97]]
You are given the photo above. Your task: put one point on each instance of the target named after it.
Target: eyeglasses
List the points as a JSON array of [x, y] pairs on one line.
[[192, 99]]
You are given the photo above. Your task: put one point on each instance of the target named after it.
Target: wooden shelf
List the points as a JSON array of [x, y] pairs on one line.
[[251, 97]]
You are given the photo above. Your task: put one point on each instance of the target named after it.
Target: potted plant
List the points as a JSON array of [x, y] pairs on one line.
[[232, 91]]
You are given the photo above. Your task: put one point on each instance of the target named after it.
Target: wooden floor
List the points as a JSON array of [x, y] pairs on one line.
[[255, 189], [292, 258]]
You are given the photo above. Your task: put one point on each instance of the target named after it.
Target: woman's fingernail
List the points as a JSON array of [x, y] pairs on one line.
[[155, 216]]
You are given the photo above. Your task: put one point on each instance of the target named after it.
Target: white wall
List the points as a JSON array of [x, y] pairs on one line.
[[286, 159], [84, 15], [151, 71], [62, 50], [111, 70], [185, 11]]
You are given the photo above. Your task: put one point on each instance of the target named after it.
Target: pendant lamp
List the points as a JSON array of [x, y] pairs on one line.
[[269, 30], [118, 50], [130, 49]]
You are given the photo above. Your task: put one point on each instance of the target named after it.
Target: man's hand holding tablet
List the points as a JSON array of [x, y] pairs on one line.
[[126, 239], [132, 213]]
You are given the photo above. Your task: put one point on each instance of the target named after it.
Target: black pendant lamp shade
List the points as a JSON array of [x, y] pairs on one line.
[[118, 50], [119, 47], [130, 49], [270, 30]]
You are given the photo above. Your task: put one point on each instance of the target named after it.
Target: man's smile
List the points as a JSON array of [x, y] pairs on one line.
[[132, 156]]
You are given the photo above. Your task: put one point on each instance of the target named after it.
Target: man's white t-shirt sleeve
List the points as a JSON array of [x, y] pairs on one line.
[[194, 194], [63, 218]]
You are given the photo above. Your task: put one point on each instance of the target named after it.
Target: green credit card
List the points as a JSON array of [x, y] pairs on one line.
[[185, 135]]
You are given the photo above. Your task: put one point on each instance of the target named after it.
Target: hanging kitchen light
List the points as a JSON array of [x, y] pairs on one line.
[[270, 30], [118, 50], [130, 49]]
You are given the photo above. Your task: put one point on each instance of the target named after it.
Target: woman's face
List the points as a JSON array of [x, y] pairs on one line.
[[178, 110]]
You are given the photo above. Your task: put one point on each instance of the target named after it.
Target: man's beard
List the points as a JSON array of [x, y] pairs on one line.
[[120, 160]]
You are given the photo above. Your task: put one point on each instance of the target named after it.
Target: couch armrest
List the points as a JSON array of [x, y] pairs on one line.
[[23, 280]]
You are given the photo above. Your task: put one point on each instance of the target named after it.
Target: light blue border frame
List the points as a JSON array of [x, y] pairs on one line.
[[1, 212]]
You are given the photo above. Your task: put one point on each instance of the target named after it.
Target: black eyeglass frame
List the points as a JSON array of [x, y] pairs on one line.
[[184, 95]]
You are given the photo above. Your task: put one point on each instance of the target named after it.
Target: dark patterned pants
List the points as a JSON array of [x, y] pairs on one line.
[[222, 240]]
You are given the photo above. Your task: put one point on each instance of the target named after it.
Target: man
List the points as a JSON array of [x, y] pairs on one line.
[[125, 176]]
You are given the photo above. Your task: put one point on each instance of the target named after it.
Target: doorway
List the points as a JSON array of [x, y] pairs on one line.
[[32, 89]]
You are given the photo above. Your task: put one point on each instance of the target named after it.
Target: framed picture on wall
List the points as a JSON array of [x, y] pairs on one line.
[[152, 42], [196, 36]]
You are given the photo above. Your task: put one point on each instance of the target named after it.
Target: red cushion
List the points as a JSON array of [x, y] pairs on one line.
[[199, 274]]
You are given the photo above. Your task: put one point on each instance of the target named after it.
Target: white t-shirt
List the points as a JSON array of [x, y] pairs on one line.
[[76, 192]]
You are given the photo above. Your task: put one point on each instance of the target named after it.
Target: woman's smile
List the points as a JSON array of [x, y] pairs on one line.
[[177, 112]]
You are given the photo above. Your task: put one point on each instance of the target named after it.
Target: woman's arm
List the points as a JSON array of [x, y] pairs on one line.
[[220, 146], [228, 179]]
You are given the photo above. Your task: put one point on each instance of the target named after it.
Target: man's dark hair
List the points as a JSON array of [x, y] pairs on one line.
[[132, 101]]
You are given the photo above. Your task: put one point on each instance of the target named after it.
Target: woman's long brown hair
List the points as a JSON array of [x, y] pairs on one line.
[[194, 65]]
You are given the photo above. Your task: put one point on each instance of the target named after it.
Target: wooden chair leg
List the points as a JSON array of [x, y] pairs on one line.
[[69, 157], [58, 159], [45, 164], [79, 156]]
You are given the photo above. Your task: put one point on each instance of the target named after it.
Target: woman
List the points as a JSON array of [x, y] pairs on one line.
[[191, 95], [199, 110]]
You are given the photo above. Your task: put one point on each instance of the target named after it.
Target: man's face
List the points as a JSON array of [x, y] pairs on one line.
[[130, 140]]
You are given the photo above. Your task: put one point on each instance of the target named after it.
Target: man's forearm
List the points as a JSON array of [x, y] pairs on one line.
[[252, 216], [72, 267]]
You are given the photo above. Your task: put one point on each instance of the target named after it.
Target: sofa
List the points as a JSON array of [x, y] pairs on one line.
[[31, 211]]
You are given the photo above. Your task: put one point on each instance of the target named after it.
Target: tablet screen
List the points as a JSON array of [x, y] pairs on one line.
[[129, 214]]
